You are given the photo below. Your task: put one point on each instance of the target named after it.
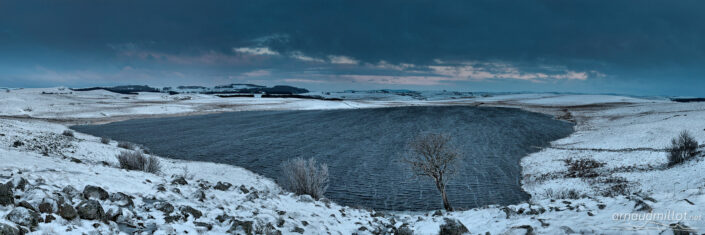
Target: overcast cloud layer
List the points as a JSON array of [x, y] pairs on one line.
[[635, 47]]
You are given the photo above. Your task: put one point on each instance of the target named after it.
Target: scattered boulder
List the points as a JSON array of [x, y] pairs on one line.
[[46, 207], [165, 207], [179, 180], [403, 230], [90, 210], [187, 210], [67, 212], [122, 200], [305, 198], [24, 217], [20, 183], [48, 219], [7, 197], [223, 186], [453, 227], [94, 192], [243, 189], [6, 229], [71, 192], [172, 218], [222, 218], [200, 195], [113, 214], [528, 230], [240, 227], [203, 184], [161, 188], [438, 213], [298, 230], [203, 224], [681, 229], [26, 204]]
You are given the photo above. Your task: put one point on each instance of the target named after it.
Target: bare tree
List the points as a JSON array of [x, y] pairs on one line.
[[302, 176], [432, 155]]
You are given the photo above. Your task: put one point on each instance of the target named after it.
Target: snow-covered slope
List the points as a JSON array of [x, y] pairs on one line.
[[624, 134]]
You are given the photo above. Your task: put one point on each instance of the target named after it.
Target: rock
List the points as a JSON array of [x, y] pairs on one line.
[[243, 189], [23, 216], [172, 218], [601, 206], [642, 206], [223, 186], [94, 192], [589, 213], [241, 226], [438, 213], [403, 230], [252, 196], [200, 195], [67, 212], [176, 190], [26, 204], [113, 214], [7, 197], [222, 218], [377, 214], [205, 185], [681, 229], [20, 183], [453, 227], [76, 160], [6, 229], [528, 230], [567, 230], [165, 207], [305, 198], [90, 210], [203, 224], [46, 207], [298, 230], [71, 192], [48, 219], [187, 210], [179, 180], [122, 200], [161, 188]]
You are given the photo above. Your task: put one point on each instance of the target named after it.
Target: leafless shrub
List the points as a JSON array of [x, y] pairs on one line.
[[126, 145], [682, 148], [582, 168], [302, 176], [563, 194], [132, 160], [105, 140], [432, 155], [68, 133]]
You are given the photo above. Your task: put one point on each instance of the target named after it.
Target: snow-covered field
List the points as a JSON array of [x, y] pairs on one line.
[[626, 135]]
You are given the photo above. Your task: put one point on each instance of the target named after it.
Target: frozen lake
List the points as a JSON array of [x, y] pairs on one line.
[[362, 148]]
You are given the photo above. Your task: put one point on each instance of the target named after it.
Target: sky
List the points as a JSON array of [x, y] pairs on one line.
[[639, 47]]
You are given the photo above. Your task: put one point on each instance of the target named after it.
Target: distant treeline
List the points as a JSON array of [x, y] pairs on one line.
[[688, 100]]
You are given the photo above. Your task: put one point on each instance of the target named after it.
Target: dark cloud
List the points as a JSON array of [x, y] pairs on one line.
[[641, 42]]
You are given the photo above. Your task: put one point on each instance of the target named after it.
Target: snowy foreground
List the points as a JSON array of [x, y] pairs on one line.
[[632, 192]]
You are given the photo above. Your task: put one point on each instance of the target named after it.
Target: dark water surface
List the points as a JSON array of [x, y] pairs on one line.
[[362, 148]]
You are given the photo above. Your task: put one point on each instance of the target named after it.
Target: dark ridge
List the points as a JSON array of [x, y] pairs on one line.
[[127, 90]]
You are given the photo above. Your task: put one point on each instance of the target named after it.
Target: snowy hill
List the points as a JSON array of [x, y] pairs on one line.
[[49, 172]]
